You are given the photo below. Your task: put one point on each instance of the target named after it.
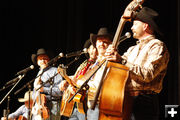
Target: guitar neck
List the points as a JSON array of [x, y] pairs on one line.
[[69, 81], [91, 72], [118, 32]]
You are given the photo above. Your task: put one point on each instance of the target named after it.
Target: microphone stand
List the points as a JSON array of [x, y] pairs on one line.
[[20, 78], [7, 95], [29, 83], [75, 59], [29, 109], [5, 87], [9, 84]]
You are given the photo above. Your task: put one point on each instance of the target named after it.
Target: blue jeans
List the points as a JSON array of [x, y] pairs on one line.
[[145, 107], [55, 110], [76, 115], [93, 114]]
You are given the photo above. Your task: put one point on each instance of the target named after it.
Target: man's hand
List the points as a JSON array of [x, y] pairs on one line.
[[72, 89], [63, 85], [112, 54]]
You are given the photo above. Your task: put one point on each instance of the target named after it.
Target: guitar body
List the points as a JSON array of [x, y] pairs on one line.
[[40, 111], [81, 102], [67, 107]]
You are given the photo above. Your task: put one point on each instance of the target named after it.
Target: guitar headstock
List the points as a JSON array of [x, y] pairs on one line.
[[62, 70], [130, 10]]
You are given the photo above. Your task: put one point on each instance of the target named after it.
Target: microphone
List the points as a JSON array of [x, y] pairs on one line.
[[55, 59], [77, 53], [25, 70], [126, 36], [13, 80]]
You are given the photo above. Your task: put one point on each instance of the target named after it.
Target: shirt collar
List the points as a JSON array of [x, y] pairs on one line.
[[145, 39]]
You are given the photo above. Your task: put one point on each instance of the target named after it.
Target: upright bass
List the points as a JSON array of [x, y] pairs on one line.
[[111, 90]]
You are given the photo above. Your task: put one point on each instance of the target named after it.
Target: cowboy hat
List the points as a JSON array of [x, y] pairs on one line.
[[40, 51], [103, 32], [148, 16], [87, 44], [26, 97]]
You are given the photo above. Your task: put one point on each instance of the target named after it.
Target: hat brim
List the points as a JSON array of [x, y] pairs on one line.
[[87, 44], [93, 38], [147, 15], [22, 100], [33, 58], [151, 23]]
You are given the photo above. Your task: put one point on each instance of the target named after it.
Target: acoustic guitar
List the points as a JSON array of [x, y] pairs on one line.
[[21, 117], [66, 106], [39, 110]]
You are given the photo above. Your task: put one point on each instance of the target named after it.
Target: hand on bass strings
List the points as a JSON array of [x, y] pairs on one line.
[[112, 54]]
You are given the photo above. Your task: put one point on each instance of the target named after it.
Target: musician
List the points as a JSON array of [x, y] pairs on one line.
[[147, 62], [82, 69], [41, 58], [101, 41], [22, 110]]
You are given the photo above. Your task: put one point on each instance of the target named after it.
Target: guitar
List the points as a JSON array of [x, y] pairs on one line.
[[39, 109], [21, 118], [66, 106]]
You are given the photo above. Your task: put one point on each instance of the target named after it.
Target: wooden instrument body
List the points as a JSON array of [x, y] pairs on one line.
[[21, 117], [112, 97], [66, 106], [113, 89], [113, 104], [40, 110]]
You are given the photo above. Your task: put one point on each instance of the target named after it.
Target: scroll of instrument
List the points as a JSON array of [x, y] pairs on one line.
[[111, 90], [40, 110]]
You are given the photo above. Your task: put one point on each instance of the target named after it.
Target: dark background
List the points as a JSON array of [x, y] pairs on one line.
[[64, 26]]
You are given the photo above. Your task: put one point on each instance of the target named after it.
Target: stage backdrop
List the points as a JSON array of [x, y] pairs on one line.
[[64, 26]]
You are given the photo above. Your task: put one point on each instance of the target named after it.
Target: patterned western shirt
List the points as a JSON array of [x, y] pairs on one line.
[[147, 62]]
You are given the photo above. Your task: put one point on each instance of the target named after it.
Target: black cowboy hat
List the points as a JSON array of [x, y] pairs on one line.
[[87, 44], [148, 16], [40, 51], [103, 32]]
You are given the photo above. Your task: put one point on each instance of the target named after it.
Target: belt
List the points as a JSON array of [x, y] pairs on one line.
[[141, 92]]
